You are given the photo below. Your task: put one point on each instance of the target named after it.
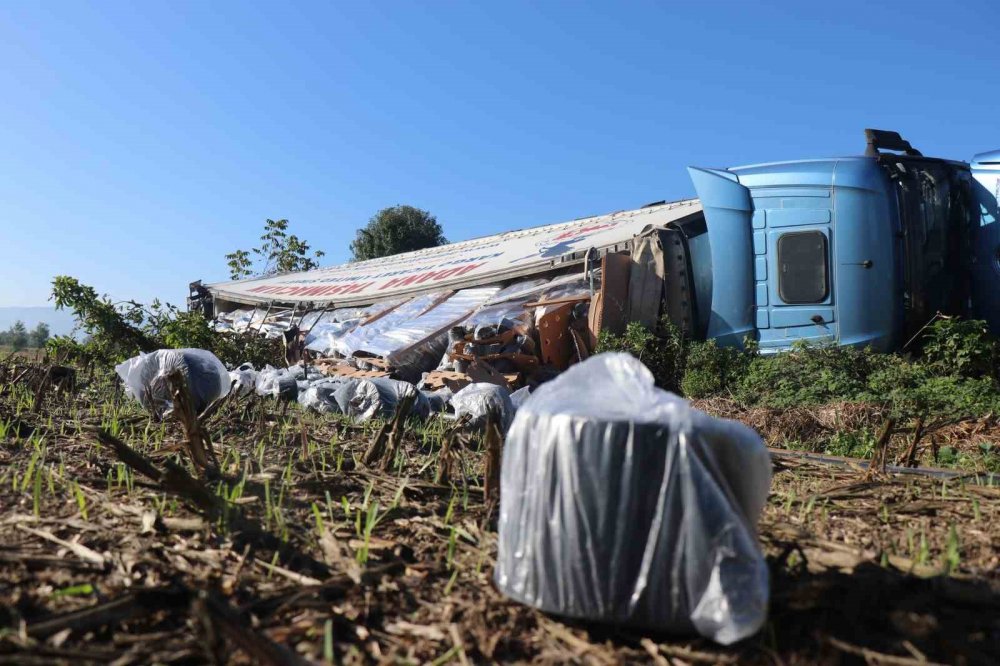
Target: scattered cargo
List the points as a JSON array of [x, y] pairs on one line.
[[146, 378], [479, 403], [625, 505]]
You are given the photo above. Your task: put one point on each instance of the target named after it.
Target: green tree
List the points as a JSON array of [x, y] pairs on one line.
[[279, 252], [39, 335], [18, 335], [114, 329], [395, 230]]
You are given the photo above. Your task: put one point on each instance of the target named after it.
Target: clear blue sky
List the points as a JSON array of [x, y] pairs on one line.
[[141, 141]]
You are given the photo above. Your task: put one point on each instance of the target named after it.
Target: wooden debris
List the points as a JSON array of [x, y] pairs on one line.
[[78, 549], [350, 372], [383, 448], [559, 301], [494, 446], [198, 441]]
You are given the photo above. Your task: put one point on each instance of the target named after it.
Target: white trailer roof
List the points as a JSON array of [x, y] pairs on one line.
[[476, 262]]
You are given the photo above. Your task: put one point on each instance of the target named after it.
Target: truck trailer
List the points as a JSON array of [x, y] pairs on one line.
[[861, 250]]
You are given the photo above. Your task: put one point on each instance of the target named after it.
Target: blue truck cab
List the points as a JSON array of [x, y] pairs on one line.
[[850, 251]]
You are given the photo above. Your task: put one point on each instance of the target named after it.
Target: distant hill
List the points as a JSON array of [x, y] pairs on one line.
[[60, 322]]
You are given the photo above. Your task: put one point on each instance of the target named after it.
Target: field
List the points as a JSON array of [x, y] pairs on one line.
[[31, 355], [116, 550]]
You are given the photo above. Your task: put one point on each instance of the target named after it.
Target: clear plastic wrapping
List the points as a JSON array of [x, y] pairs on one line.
[[145, 376], [324, 331], [277, 382], [365, 399], [320, 396], [575, 285], [415, 345], [620, 503], [508, 303], [437, 401], [325, 334], [518, 397], [358, 338], [476, 401], [243, 380]]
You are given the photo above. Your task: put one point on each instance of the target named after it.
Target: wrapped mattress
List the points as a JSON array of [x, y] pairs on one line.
[[620, 503]]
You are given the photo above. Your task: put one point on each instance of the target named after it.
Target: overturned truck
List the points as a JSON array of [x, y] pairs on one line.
[[854, 251]]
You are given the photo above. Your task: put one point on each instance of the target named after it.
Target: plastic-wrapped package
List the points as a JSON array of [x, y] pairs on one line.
[[243, 380], [235, 320], [323, 336], [477, 401], [309, 319], [518, 397], [309, 373], [145, 377], [508, 303], [253, 322], [287, 388], [319, 396], [415, 345], [242, 319], [267, 379], [358, 338], [437, 401], [364, 399], [621, 503], [576, 285], [333, 325], [277, 382]]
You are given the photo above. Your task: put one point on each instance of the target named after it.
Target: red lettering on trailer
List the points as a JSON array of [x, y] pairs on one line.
[[430, 276], [356, 288]]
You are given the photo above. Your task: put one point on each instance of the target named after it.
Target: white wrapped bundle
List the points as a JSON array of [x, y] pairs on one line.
[[477, 400], [145, 377], [622, 504]]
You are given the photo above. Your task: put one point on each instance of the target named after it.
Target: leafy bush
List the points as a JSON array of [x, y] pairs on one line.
[[810, 375], [117, 331], [663, 352], [820, 375], [851, 444], [962, 347], [914, 389], [712, 370]]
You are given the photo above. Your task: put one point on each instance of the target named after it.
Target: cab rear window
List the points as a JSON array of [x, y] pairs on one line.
[[803, 275]]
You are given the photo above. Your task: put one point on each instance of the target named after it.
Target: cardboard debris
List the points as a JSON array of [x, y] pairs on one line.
[[456, 381], [351, 372]]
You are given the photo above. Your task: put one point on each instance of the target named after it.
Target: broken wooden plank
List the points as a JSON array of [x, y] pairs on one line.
[[559, 301]]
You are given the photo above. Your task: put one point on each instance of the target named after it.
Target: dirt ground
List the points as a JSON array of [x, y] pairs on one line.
[[114, 551]]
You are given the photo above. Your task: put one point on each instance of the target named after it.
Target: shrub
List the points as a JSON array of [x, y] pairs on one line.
[[712, 370], [960, 346], [810, 375], [663, 352], [116, 331]]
